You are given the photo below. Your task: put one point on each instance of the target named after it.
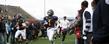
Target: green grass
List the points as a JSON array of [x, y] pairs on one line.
[[70, 39]]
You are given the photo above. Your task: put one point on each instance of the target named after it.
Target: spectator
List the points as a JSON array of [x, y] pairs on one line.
[[64, 24], [101, 22], [2, 31], [87, 24]]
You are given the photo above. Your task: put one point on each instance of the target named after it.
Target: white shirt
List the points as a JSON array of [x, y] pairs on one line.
[[64, 23], [84, 20]]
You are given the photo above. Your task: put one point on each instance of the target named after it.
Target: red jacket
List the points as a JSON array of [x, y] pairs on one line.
[[77, 32]]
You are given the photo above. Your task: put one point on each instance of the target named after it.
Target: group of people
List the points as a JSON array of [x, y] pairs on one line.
[[16, 29], [91, 25]]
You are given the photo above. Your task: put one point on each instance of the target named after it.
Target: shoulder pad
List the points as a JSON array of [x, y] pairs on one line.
[[107, 2], [55, 16]]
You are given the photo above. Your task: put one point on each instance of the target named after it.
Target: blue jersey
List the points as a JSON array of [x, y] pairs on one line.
[[50, 21]]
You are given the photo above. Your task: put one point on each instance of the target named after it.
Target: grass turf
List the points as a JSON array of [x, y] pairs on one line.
[[70, 39]]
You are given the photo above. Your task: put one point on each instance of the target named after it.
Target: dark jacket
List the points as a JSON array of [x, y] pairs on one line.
[[2, 27], [101, 22]]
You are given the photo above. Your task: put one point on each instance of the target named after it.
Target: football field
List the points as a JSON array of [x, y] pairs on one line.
[[70, 39]]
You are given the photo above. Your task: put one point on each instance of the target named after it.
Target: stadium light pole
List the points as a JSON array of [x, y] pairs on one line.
[[18, 5], [5, 11], [44, 7], [5, 8]]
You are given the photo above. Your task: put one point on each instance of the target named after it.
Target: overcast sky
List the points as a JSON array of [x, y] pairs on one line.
[[36, 7]]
